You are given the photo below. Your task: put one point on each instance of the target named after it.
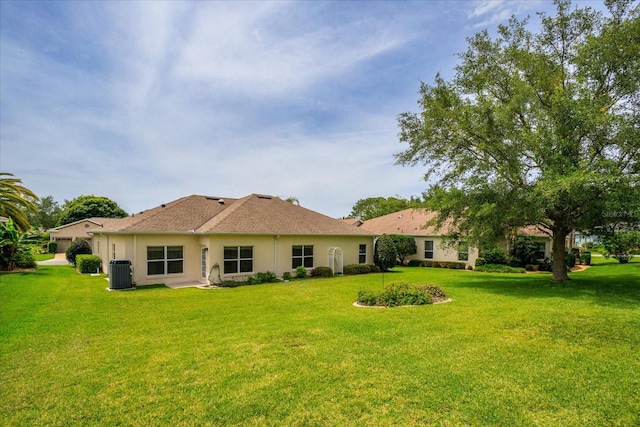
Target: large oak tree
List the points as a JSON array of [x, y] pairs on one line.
[[83, 207], [536, 128]]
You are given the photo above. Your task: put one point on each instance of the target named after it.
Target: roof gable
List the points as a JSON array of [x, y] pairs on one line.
[[96, 221]]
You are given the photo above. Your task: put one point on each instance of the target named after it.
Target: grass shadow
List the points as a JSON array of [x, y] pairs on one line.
[[611, 284]]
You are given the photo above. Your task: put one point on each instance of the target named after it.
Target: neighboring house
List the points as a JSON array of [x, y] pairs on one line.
[[430, 240], [201, 238], [65, 234]]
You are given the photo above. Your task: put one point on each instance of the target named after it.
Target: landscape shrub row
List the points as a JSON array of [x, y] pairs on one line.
[[352, 269], [454, 265], [500, 268], [401, 293]]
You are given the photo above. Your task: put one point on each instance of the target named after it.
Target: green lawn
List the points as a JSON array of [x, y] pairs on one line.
[[511, 349]]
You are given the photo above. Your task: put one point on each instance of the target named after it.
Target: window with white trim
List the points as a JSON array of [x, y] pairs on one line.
[[238, 259], [362, 254], [428, 249], [163, 260], [302, 256]]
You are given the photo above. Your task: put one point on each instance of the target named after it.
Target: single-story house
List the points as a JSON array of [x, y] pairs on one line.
[[430, 240], [65, 234], [210, 239]]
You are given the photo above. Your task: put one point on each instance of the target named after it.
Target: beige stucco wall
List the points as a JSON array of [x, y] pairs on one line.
[[441, 252], [274, 253], [270, 253]]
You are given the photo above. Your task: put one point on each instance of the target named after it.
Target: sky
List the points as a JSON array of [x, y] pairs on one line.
[[146, 102]]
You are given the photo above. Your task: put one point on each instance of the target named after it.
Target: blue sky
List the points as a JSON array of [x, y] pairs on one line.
[[145, 102]]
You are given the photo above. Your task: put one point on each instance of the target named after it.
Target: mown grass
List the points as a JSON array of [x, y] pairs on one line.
[[511, 349]]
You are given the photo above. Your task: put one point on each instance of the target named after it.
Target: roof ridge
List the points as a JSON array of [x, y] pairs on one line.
[[226, 213], [151, 213]]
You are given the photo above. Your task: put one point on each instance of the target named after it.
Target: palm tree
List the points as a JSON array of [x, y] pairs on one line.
[[293, 200], [15, 202]]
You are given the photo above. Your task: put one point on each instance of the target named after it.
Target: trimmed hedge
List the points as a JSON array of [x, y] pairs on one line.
[[52, 247], [454, 265], [88, 263], [356, 269], [322, 272], [499, 268], [374, 268]]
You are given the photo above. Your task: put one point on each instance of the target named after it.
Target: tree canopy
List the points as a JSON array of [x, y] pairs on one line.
[[16, 201], [84, 207], [535, 128], [46, 214], [374, 207]]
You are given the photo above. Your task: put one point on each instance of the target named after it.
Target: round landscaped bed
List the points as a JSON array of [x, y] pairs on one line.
[[400, 294]]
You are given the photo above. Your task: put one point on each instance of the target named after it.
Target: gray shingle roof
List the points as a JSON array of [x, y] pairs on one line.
[[253, 214]]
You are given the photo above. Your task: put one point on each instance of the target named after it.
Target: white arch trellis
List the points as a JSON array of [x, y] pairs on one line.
[[334, 259]]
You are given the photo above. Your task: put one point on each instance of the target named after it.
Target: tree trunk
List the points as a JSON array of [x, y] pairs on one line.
[[558, 255]]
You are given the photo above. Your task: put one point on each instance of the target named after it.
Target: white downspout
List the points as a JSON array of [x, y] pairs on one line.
[[275, 254]]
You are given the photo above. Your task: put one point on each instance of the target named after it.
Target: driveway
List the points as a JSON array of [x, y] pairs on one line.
[[59, 259]]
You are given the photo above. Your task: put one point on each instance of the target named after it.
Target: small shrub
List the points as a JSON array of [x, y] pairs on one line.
[[401, 293], [499, 268], [88, 264], [480, 261], [570, 260], [494, 255], [77, 247], [267, 277], [513, 261], [230, 284], [322, 272], [373, 268], [529, 267], [301, 272], [286, 276], [470, 267], [52, 247], [585, 258], [25, 259], [253, 280], [356, 269], [546, 265], [414, 263], [454, 265]]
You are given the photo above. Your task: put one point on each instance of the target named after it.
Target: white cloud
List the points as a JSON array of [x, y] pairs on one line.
[[145, 102], [245, 51]]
